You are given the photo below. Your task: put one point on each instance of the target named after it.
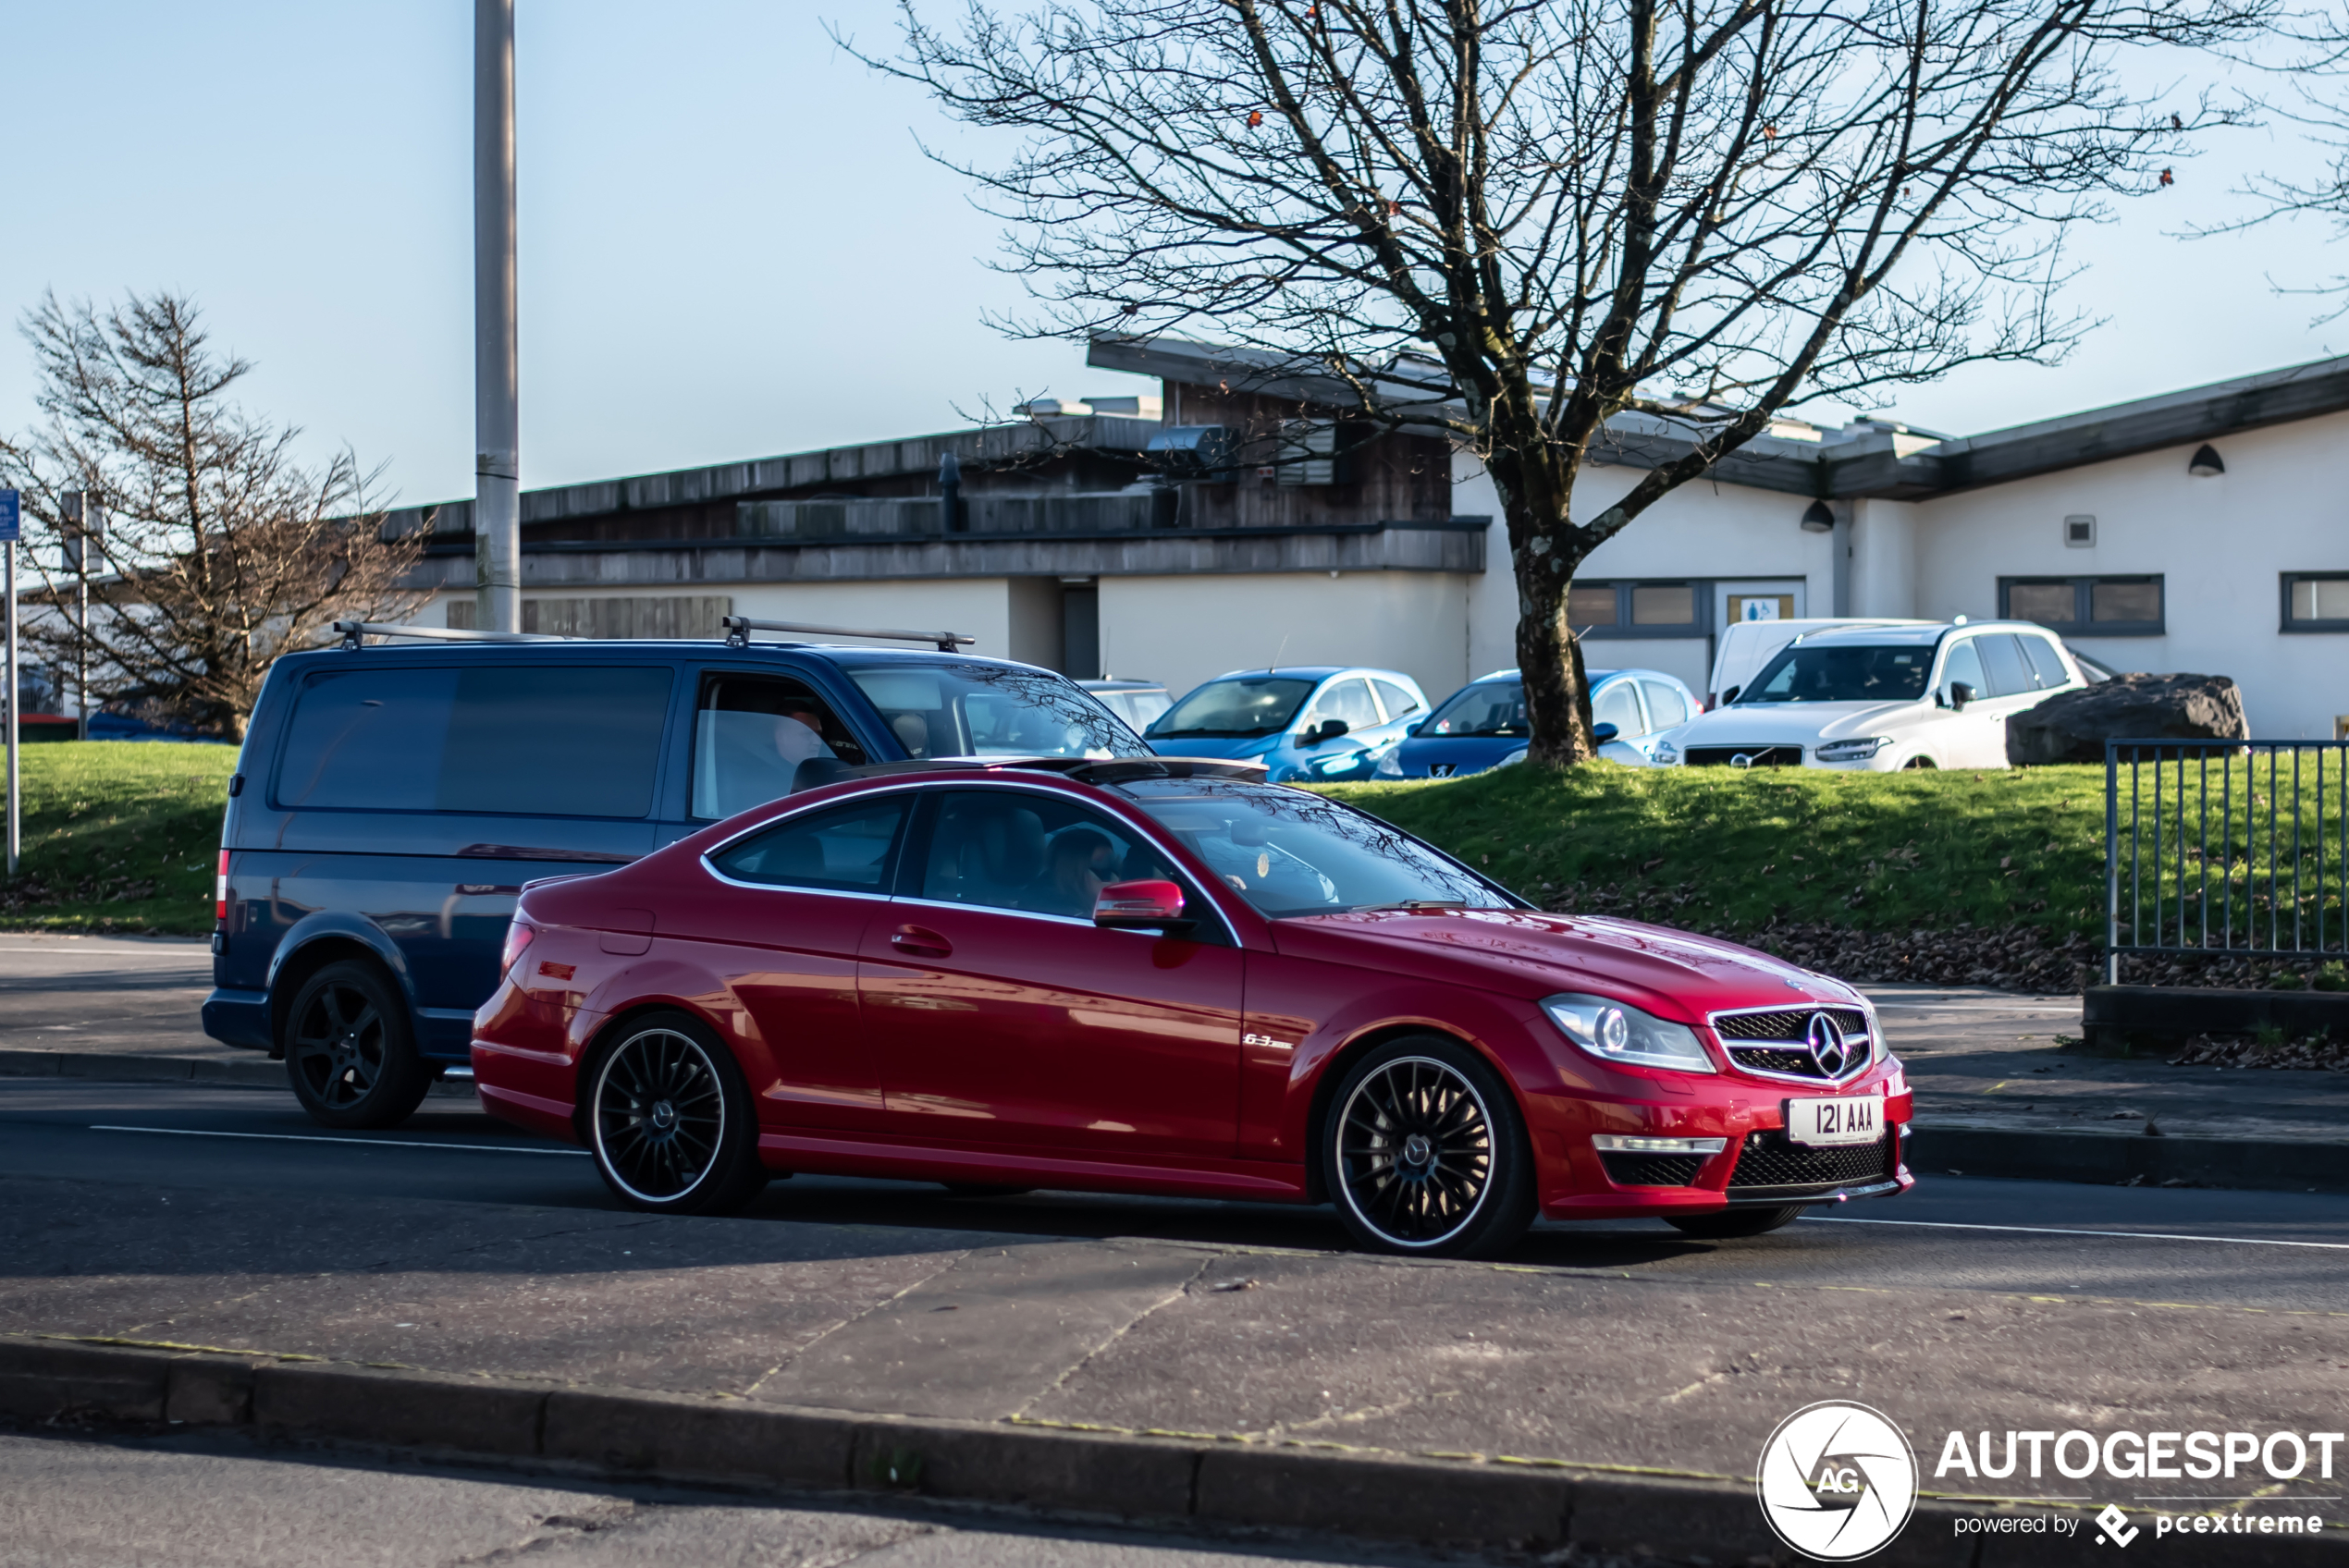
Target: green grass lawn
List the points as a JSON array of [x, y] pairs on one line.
[[1731, 849], [118, 836], [121, 837]]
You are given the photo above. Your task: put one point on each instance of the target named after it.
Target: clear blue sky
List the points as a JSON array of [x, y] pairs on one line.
[[731, 244]]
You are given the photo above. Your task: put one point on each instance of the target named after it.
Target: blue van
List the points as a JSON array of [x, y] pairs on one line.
[[390, 802], [1482, 725]]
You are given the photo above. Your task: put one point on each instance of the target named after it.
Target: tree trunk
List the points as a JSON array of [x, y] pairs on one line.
[[1545, 550]]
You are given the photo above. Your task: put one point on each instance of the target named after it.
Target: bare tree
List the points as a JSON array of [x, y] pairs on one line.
[[222, 551], [1515, 220]]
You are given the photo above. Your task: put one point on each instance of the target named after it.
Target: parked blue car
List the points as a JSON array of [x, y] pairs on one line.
[[1301, 721], [1482, 725]]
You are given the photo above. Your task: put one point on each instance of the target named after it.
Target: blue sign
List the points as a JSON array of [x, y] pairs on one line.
[[11, 517]]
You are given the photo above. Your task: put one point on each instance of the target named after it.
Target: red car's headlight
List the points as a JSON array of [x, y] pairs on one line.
[[1613, 1030], [518, 937]]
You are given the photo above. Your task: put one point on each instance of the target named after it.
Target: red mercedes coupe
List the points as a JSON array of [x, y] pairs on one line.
[[1168, 978]]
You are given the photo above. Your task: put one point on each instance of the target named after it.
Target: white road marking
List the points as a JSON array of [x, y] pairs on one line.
[[2051, 1231], [354, 1143]]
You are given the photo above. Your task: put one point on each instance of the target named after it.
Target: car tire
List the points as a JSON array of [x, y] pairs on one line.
[[350, 1052], [1424, 1153], [669, 1119], [1728, 1224]]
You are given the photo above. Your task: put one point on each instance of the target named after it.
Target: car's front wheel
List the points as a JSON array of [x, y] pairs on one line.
[[668, 1120], [1727, 1224], [349, 1053], [1425, 1154]]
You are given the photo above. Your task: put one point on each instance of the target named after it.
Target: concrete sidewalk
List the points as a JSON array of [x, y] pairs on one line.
[[1320, 1390]]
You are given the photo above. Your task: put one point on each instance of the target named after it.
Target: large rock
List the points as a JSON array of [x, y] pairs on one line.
[[2073, 726]]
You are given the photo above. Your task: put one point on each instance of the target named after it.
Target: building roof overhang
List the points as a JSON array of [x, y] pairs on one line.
[[1869, 463]]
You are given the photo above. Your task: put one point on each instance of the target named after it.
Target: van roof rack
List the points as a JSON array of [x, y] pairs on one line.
[[354, 632], [740, 627]]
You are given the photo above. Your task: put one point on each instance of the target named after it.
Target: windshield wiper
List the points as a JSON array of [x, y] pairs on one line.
[[1410, 906]]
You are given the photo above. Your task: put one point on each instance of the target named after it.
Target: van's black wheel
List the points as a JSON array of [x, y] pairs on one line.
[[669, 1119], [349, 1051], [1725, 1224], [1424, 1152]]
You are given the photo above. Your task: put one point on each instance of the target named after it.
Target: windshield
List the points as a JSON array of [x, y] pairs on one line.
[[1289, 853], [982, 710], [1255, 706], [1489, 708], [1847, 674]]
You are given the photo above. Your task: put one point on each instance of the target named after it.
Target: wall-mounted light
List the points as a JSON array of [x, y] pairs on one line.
[[1818, 519], [2206, 462]]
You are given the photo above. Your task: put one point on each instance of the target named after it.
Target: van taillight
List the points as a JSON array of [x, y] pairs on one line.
[[518, 937], [220, 891]]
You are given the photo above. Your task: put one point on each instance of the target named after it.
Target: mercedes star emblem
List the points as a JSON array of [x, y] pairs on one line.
[[1824, 1038]]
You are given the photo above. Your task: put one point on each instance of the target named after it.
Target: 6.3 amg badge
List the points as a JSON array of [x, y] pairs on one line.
[[1837, 1481]]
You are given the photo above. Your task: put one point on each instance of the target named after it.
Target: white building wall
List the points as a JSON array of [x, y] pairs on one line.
[[1884, 559], [1182, 631], [2221, 544], [1745, 539]]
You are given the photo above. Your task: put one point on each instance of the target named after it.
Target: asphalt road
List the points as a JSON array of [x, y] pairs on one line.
[[222, 1502], [2242, 1249]]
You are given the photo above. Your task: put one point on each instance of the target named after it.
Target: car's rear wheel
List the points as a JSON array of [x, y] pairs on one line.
[[351, 1054], [1424, 1152], [1729, 1223], [668, 1120]]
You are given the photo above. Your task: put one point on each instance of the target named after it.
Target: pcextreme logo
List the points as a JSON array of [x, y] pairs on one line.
[[1837, 1481]]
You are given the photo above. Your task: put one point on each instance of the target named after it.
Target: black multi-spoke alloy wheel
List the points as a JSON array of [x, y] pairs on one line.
[[1424, 1152], [1728, 1223], [669, 1119], [349, 1051]]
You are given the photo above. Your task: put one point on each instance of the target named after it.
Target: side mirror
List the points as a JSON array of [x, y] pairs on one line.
[[1416, 728], [1729, 696], [1128, 906], [1328, 729], [1603, 733], [1960, 695]]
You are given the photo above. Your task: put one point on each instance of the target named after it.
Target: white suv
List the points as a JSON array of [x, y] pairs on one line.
[[1882, 697]]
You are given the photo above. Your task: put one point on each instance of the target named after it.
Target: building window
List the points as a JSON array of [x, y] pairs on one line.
[[2315, 601], [1675, 608], [1590, 604], [2086, 606]]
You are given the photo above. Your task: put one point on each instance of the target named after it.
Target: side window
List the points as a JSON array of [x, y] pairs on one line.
[[554, 740], [366, 740], [2045, 663], [850, 849], [539, 741], [2003, 661], [1348, 699], [1008, 850], [1398, 702], [751, 732], [1619, 704], [1666, 705], [1964, 664]]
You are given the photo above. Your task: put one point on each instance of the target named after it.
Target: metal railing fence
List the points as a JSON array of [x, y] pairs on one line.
[[2237, 847]]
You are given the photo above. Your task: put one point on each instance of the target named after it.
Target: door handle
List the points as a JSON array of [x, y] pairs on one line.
[[921, 941]]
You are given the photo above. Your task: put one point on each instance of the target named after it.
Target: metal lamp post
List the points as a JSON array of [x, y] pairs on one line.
[[496, 417]]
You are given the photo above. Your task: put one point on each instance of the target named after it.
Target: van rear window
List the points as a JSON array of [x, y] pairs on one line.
[[541, 741]]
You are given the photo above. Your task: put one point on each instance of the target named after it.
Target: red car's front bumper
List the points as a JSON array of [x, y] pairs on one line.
[[1757, 1164]]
